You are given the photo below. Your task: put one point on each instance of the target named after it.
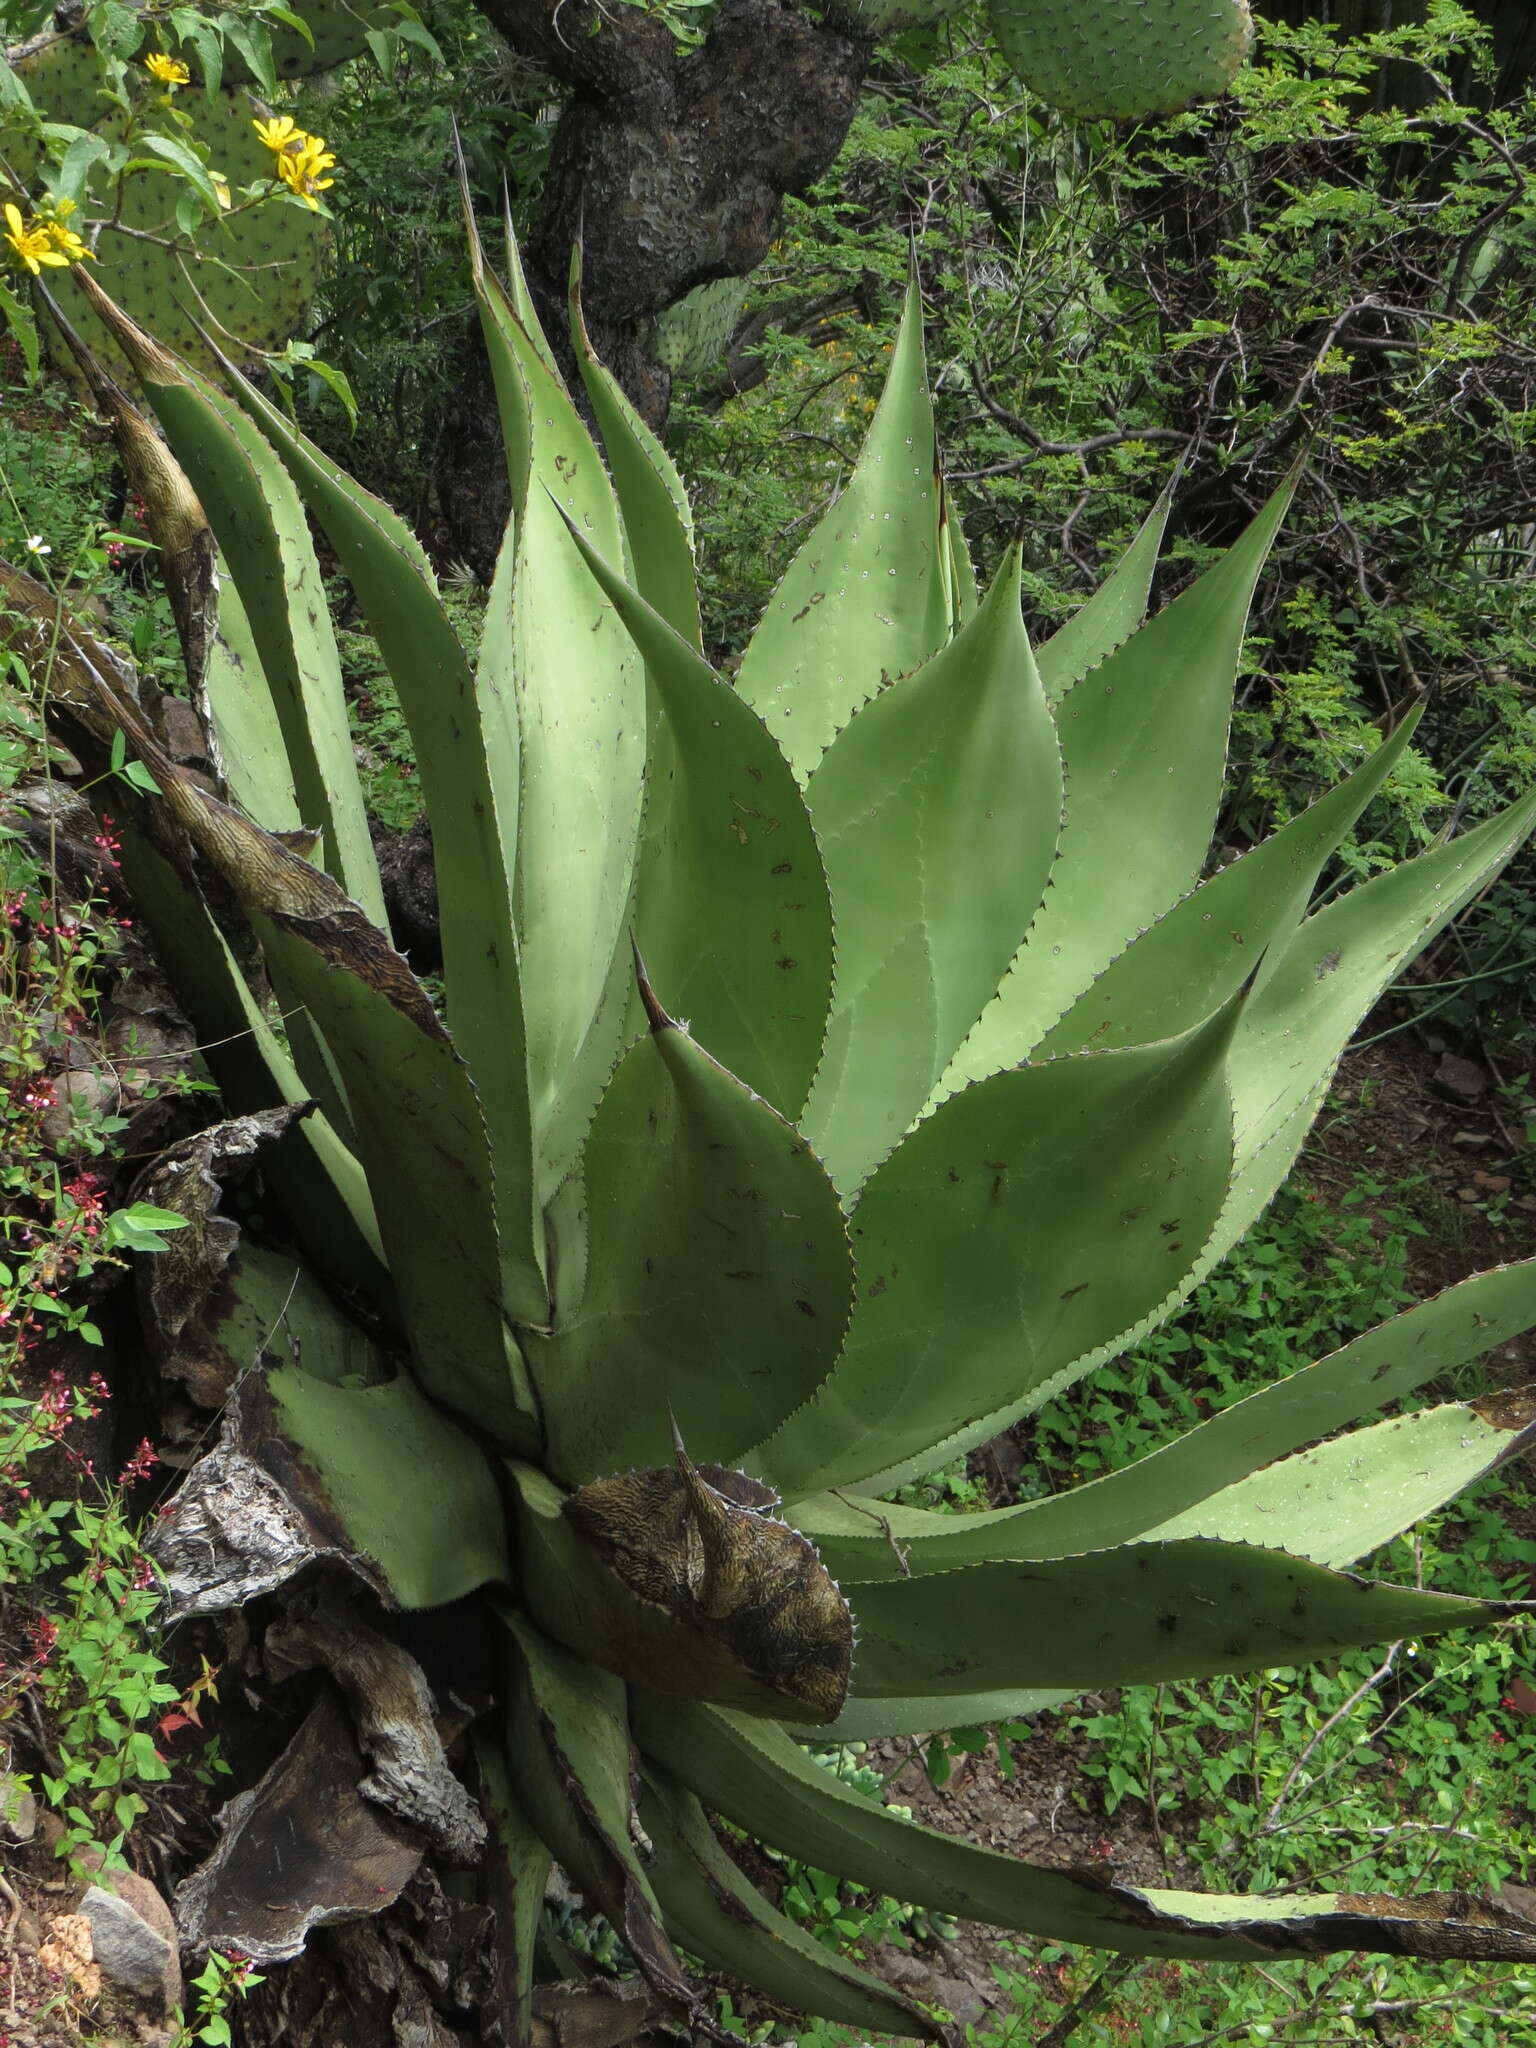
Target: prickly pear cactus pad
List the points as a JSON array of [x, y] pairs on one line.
[[830, 1065], [691, 336], [248, 278], [1123, 60]]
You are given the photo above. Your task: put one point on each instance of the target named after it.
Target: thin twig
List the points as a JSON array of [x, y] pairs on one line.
[[1382, 1672]]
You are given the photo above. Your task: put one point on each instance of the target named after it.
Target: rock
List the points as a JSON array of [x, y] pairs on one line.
[[67, 1953], [959, 1997], [18, 1810], [77, 1099], [134, 1936], [1463, 1079], [1493, 1183], [905, 1970]]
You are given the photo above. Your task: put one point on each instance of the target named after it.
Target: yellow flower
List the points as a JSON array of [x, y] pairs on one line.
[[281, 132], [67, 242], [31, 244], [170, 71], [302, 170]]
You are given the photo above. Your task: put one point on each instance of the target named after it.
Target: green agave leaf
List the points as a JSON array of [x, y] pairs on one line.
[[519, 1870], [864, 600], [1132, 1616], [720, 1271], [468, 762], [423, 1147], [653, 502], [419, 1132], [955, 563], [715, 1912], [498, 324], [1105, 1172], [1341, 959], [581, 715], [1293, 1029], [1210, 942], [731, 905], [1345, 1499], [1104, 622], [921, 1714], [240, 719], [404, 1487], [272, 1308], [938, 809], [519, 296], [755, 1776], [1144, 742], [862, 1540], [569, 1762], [258, 521]]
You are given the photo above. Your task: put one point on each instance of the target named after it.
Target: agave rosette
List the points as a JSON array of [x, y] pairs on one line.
[[834, 1062]]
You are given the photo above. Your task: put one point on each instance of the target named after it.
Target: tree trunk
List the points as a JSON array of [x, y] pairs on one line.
[[671, 166]]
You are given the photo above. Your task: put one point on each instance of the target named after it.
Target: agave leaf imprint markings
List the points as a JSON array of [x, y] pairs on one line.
[[732, 913], [864, 600], [1103, 1174], [1144, 743], [937, 808], [720, 1272]]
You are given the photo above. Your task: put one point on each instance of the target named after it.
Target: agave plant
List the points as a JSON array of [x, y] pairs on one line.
[[832, 1063]]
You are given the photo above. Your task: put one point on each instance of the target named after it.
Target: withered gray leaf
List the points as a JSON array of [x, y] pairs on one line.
[[700, 1543]]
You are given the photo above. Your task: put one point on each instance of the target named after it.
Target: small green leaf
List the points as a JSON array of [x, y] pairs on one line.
[[182, 158]]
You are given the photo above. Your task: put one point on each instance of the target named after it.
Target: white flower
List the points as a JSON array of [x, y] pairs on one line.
[[36, 545]]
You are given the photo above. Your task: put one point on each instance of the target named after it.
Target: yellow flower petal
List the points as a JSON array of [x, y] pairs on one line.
[[279, 132]]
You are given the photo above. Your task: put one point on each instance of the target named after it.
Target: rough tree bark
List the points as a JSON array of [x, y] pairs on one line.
[[672, 167]]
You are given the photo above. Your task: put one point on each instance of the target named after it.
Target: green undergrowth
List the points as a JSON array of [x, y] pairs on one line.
[[1404, 1770], [94, 1719]]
